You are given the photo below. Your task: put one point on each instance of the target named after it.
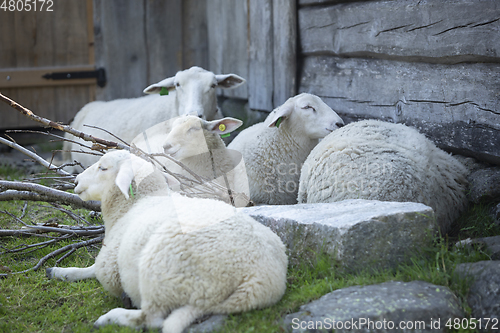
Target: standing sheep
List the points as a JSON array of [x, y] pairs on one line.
[[384, 161], [198, 145], [275, 149], [177, 258], [191, 91]]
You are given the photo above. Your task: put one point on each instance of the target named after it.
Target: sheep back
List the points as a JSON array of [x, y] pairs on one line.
[[211, 257], [377, 160]]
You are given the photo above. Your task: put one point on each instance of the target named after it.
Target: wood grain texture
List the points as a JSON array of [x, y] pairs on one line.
[[121, 48], [457, 106], [284, 55], [163, 37], [260, 55], [436, 31], [32, 40], [195, 34], [227, 37]]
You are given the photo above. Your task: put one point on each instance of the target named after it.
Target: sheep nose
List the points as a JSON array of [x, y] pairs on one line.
[[339, 124], [167, 146]]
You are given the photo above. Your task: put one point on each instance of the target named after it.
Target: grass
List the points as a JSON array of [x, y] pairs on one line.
[[32, 303]]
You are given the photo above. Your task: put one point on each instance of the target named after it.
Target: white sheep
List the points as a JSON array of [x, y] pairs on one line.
[[177, 258], [192, 91], [384, 161], [198, 145], [275, 149]]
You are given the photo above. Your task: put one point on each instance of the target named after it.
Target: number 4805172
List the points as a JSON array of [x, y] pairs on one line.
[[27, 5]]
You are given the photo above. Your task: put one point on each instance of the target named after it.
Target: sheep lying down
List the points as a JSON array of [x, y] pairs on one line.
[[378, 160], [177, 258], [198, 145], [275, 149]]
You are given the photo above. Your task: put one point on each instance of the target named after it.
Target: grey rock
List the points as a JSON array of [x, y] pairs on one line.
[[495, 213], [484, 292], [379, 308], [485, 185], [213, 323], [490, 244], [360, 234], [471, 163]]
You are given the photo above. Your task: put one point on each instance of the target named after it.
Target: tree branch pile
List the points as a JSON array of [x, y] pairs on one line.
[[56, 194]]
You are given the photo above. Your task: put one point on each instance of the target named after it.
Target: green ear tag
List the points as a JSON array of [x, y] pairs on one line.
[[131, 192], [225, 135], [278, 122], [163, 91]]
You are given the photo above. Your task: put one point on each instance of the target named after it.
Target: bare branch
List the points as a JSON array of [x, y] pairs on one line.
[[104, 130], [24, 191], [34, 156], [65, 128], [61, 250]]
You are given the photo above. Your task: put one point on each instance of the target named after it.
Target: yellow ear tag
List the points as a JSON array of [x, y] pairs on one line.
[[222, 127]]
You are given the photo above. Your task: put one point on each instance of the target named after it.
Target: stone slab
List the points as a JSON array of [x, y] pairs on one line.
[[360, 234]]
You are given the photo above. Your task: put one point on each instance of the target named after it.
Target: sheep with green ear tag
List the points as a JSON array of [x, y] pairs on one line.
[[177, 258], [275, 149], [191, 91], [198, 145]]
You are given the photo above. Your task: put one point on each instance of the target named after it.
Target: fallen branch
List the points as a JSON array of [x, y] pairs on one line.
[[34, 156], [65, 128], [37, 192], [70, 247]]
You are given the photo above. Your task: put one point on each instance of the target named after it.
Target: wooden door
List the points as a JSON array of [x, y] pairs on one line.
[[57, 38]]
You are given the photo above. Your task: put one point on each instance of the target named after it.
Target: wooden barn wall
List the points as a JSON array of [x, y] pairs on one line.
[[146, 41], [434, 65], [45, 40], [255, 39]]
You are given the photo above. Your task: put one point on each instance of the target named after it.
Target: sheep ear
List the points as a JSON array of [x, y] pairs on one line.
[[124, 177], [229, 81], [280, 114], [156, 88], [223, 126]]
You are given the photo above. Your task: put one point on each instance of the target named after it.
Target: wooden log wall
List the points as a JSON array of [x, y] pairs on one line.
[[434, 65]]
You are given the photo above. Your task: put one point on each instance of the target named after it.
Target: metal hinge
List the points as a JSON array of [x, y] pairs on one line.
[[99, 74]]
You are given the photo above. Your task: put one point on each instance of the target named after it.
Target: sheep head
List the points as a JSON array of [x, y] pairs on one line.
[[117, 168], [195, 90], [191, 135], [308, 114]]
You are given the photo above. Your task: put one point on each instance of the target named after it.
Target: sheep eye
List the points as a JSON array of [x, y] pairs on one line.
[[177, 84], [102, 168], [213, 85], [309, 107]]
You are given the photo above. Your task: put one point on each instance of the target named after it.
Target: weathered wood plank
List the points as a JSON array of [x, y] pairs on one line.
[[121, 48], [325, 2], [260, 55], [457, 106], [440, 31], [227, 38], [164, 39], [285, 37], [34, 40], [195, 35]]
